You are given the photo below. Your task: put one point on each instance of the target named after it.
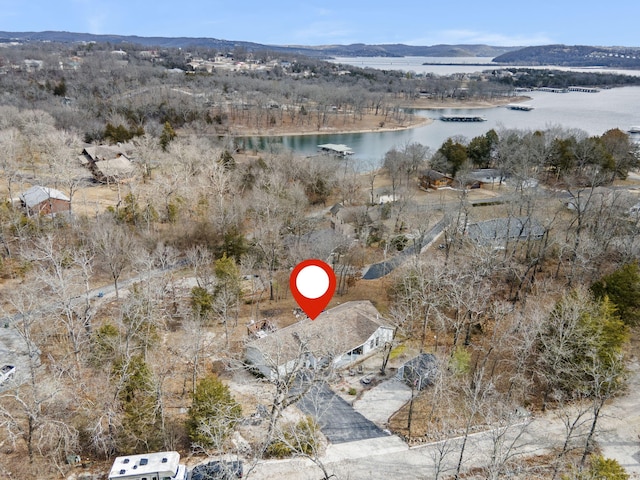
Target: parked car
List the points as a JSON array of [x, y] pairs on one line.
[[217, 470], [6, 372]]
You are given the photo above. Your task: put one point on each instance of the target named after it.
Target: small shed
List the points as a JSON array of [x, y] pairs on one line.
[[40, 200], [420, 371]]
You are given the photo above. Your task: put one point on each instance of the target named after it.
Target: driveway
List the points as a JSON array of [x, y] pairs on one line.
[[383, 400], [378, 270], [338, 421], [389, 457]]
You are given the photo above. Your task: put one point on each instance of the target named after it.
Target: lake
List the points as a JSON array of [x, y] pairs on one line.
[[595, 113]]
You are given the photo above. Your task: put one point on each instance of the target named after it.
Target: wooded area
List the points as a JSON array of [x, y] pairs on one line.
[[133, 306]]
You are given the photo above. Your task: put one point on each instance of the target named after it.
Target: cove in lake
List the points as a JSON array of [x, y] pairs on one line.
[[594, 113]]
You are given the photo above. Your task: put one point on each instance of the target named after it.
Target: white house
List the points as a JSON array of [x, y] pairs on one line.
[[148, 466], [340, 335]]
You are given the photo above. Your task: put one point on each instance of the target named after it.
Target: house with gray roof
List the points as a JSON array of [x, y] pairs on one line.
[[501, 230], [107, 163], [39, 200], [420, 371], [114, 170], [341, 335]]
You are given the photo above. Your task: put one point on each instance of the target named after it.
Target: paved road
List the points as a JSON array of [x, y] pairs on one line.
[[338, 421], [390, 457]]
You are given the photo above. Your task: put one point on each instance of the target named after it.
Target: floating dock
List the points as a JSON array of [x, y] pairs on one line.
[[552, 89], [583, 89], [335, 149], [463, 118], [520, 106]]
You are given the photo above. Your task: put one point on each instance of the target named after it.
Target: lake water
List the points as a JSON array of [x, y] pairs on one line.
[[451, 65], [594, 113]]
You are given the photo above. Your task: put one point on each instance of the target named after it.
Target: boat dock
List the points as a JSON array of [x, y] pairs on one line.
[[463, 118], [520, 106], [552, 89], [336, 149], [584, 89]]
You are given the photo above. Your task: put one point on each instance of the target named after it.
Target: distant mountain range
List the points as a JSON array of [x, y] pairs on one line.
[[560, 55], [354, 50]]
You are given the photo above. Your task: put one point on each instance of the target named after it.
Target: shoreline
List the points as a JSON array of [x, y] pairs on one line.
[[429, 104], [417, 121], [420, 121]]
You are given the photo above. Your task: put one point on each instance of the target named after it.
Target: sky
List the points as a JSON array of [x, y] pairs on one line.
[[326, 22]]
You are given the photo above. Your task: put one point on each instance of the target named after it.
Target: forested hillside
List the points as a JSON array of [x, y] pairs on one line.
[[130, 296], [573, 56]]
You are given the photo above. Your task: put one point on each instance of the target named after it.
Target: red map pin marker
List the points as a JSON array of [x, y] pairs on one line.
[[312, 284]]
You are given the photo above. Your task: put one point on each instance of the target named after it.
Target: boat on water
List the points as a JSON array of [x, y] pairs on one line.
[[335, 149], [635, 129], [463, 118], [520, 106]]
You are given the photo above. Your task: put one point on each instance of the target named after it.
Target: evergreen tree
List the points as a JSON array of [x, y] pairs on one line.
[[455, 154], [622, 287], [142, 420], [213, 414], [168, 134]]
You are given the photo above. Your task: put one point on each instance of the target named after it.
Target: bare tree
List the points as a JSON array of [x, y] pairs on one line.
[[115, 247]]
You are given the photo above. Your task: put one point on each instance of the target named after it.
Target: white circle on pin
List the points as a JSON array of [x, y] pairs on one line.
[[312, 282]]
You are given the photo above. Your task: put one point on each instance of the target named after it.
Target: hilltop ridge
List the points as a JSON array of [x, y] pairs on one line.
[[357, 49], [560, 55]]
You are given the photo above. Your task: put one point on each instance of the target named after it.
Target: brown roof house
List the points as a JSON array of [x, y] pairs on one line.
[[340, 335], [40, 200], [107, 164], [434, 179]]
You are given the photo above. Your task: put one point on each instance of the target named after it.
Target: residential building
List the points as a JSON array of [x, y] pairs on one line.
[[40, 200], [107, 163], [501, 230], [433, 179], [341, 335]]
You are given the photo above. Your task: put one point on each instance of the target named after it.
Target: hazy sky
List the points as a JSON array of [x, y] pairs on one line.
[[319, 22]]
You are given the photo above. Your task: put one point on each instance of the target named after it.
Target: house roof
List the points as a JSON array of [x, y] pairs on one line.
[[333, 332], [511, 228], [38, 194], [103, 152], [336, 208], [119, 167], [487, 174], [435, 175], [423, 363], [420, 370]]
